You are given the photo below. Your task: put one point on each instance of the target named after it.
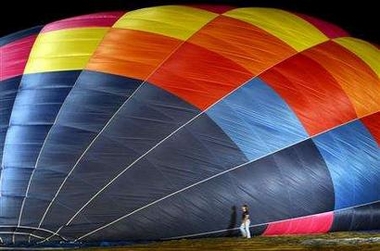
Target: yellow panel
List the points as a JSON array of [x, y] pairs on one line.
[[174, 21], [366, 51], [290, 28], [64, 49]]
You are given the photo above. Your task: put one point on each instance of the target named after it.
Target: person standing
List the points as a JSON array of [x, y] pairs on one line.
[[244, 227]]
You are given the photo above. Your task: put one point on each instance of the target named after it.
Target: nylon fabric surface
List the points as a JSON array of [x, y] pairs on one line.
[[159, 123]]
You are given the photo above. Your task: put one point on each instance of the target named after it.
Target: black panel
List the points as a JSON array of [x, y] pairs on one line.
[[359, 218]]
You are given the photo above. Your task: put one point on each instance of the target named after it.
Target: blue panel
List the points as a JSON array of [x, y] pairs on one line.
[[258, 120], [38, 101], [91, 103], [148, 117], [290, 183], [19, 35], [353, 158]]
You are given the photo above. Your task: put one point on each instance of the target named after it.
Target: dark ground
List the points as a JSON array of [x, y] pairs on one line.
[[342, 241]]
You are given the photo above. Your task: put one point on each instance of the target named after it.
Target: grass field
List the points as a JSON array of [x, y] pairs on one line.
[[344, 241]]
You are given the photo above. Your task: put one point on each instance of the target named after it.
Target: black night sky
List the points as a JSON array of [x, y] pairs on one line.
[[359, 18]]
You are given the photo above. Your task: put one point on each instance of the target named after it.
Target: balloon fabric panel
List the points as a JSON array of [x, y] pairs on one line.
[[102, 19], [355, 77], [258, 120], [249, 46], [131, 53], [318, 223], [280, 188], [354, 167], [320, 102], [372, 124], [356, 218], [114, 125], [290, 28]]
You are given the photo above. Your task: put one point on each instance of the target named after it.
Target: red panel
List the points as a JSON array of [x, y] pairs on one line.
[[106, 19], [319, 223], [313, 94], [199, 76], [219, 9], [14, 57], [330, 30], [372, 122]]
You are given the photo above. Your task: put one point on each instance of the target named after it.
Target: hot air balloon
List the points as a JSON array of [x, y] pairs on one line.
[[158, 123]]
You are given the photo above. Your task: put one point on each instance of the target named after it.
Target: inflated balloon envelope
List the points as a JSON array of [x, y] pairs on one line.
[[154, 123]]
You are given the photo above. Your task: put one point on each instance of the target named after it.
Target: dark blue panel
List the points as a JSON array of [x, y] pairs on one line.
[[7, 239], [366, 217], [258, 120], [8, 92], [10, 207], [22, 146], [290, 183], [38, 101], [94, 100], [148, 117], [7, 228], [197, 151], [15, 180], [89, 106], [19, 35], [353, 158], [21, 238], [25, 230]]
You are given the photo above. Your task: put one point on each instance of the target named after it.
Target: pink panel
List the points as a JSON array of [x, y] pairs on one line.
[[330, 30], [104, 19], [318, 223], [14, 57]]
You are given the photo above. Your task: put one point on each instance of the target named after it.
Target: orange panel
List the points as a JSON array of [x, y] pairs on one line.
[[243, 43], [356, 78], [130, 53], [372, 122], [314, 95], [199, 76]]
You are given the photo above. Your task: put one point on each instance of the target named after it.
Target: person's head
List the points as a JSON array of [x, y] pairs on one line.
[[245, 207]]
